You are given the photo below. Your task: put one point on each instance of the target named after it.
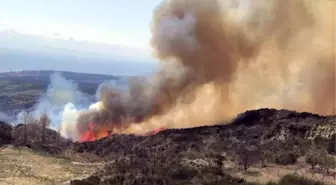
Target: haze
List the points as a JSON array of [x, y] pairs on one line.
[[78, 35]]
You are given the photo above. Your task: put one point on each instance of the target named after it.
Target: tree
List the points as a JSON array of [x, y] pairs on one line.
[[247, 155], [25, 118], [285, 158], [328, 162], [44, 122], [315, 156], [332, 145], [58, 136]]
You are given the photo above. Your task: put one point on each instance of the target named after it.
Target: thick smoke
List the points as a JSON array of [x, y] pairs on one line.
[[219, 60]]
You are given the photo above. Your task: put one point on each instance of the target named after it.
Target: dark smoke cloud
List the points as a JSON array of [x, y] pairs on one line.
[[218, 61]]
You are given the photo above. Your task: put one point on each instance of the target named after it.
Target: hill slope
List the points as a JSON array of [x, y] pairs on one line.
[[258, 146], [208, 154]]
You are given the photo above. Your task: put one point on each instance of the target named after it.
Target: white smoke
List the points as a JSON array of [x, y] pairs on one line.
[[69, 119], [6, 118], [62, 102], [59, 94]]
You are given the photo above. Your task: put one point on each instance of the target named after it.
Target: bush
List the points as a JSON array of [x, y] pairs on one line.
[[285, 159], [183, 174], [316, 156], [247, 155], [5, 133], [295, 180], [320, 142], [271, 183], [332, 145], [328, 162]]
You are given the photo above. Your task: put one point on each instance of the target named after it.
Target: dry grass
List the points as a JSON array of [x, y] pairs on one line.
[[273, 172], [21, 166]]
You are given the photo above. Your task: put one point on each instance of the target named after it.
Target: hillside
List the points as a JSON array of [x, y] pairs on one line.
[[261, 127], [258, 146], [210, 153], [44, 75]]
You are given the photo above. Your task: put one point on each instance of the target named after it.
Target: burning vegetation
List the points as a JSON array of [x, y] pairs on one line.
[[218, 60], [260, 142], [92, 133]]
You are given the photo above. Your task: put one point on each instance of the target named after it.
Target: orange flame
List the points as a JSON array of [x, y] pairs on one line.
[[92, 133], [158, 130]]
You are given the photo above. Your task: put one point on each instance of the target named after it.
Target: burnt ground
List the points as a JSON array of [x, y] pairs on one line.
[[257, 127], [250, 148], [199, 155]]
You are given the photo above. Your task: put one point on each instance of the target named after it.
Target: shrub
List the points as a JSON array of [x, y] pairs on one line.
[[332, 145], [328, 162], [320, 141], [271, 183], [296, 180], [5, 133], [183, 174], [285, 159], [247, 155], [316, 156]]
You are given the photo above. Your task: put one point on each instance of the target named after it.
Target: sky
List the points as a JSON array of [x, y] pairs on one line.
[[124, 22], [118, 27]]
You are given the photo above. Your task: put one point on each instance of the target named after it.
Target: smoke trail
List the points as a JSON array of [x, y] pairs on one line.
[[218, 61]]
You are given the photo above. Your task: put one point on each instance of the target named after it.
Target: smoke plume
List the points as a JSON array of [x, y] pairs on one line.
[[218, 60], [60, 95], [6, 118]]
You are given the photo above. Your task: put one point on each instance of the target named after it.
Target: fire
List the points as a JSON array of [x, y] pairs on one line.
[[92, 133], [158, 130]]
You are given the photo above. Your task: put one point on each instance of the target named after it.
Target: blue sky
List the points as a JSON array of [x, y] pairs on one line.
[[123, 22], [115, 29]]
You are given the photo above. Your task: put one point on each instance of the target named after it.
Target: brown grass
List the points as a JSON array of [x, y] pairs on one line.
[[22, 166], [273, 172]]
